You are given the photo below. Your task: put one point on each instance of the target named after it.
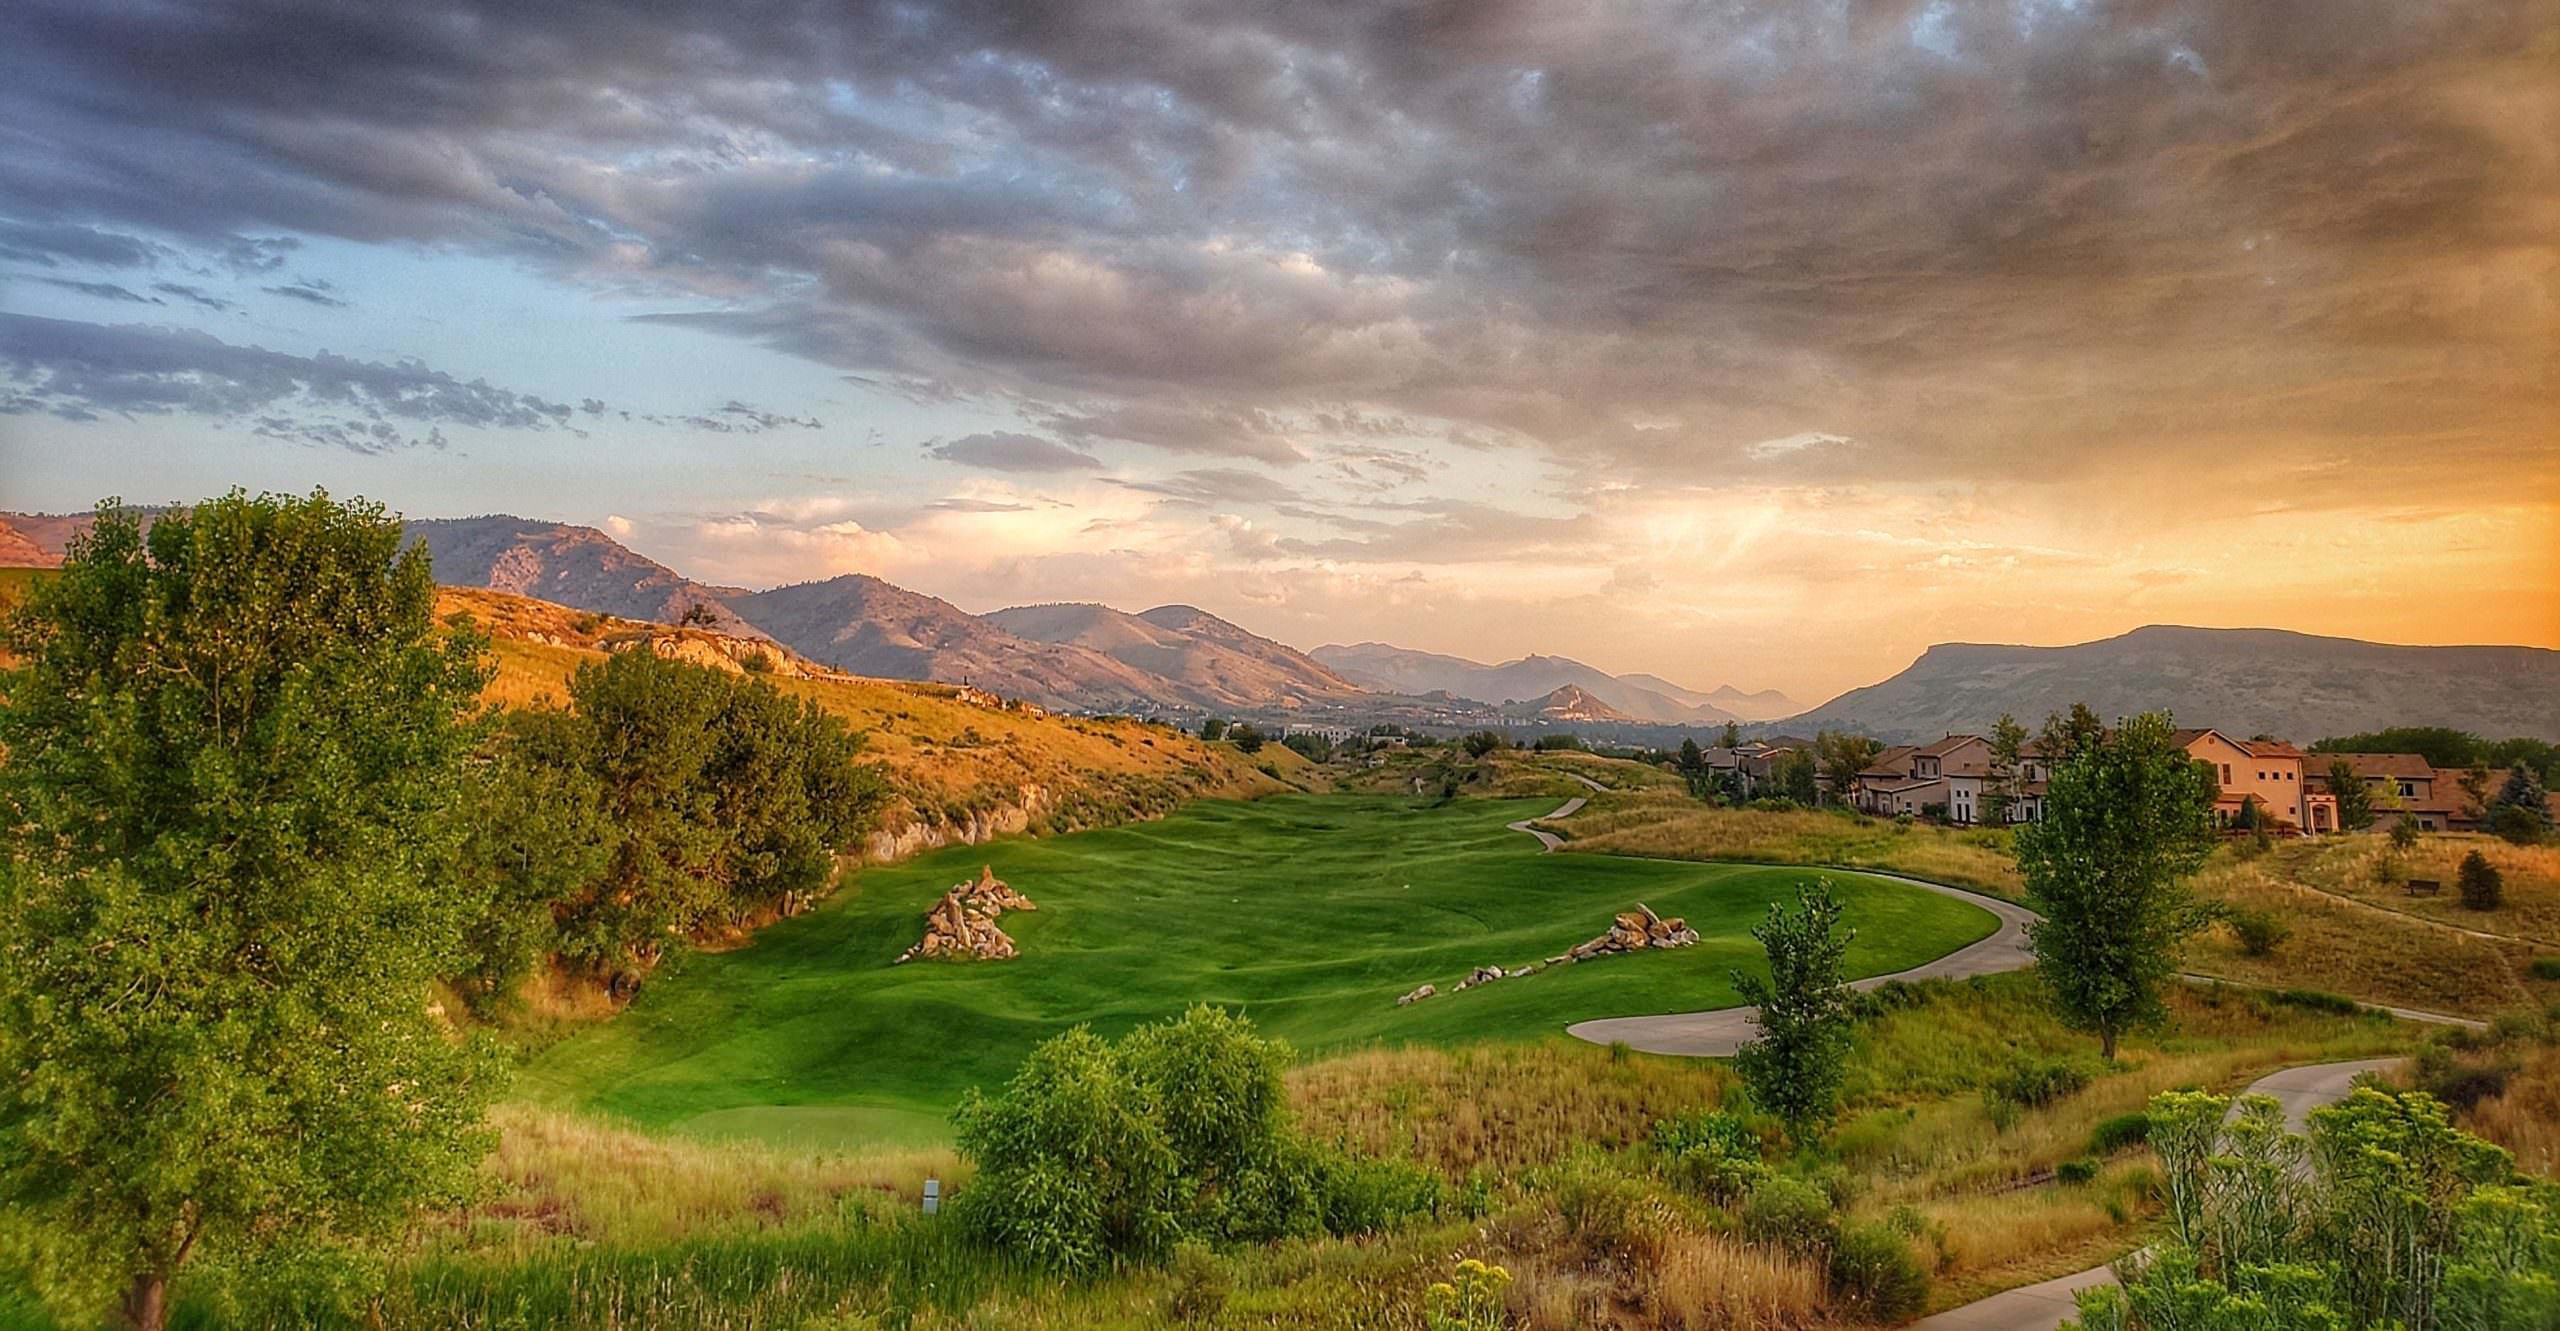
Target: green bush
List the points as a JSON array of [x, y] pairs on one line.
[[1709, 1154], [2075, 1172], [1605, 1212], [1096, 1153], [1874, 1271], [2037, 1082], [2404, 834], [2258, 931], [1788, 1213], [2120, 1132], [2546, 968], [2317, 1000]]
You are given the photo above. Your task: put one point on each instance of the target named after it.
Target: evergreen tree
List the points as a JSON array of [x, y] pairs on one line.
[[2355, 802], [2127, 820], [1732, 737], [2521, 813]]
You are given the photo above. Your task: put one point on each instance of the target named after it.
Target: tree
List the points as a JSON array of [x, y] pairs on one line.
[[1731, 738], [2482, 886], [1692, 761], [2355, 801], [2441, 746], [1793, 1067], [1566, 742], [2066, 737], [1793, 773], [2126, 821], [1312, 747], [1213, 729], [1246, 738], [1842, 756], [1482, 742], [2521, 813], [2001, 786], [234, 755]]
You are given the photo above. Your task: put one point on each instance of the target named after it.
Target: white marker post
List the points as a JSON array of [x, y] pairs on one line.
[[932, 1196]]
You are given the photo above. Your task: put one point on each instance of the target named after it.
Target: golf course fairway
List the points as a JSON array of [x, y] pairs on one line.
[[1310, 914]]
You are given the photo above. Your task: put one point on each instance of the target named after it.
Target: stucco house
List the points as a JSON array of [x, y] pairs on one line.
[[2269, 771]]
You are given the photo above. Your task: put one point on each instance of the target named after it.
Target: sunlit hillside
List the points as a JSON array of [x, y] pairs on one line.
[[959, 761]]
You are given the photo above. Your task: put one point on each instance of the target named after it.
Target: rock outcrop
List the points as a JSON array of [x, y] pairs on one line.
[[1417, 996], [1633, 930], [963, 923]]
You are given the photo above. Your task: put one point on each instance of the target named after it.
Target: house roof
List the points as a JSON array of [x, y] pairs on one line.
[[2268, 748], [1952, 743], [2375, 766], [1895, 761]]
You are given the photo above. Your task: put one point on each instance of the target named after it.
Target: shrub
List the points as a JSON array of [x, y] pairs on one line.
[[1200, 1285], [2259, 931], [1789, 1213], [2546, 968], [1606, 1213], [1874, 1271], [1246, 738], [1902, 822], [1482, 742], [2317, 1000], [2035, 1083], [1709, 1154], [2482, 886], [2404, 834], [2120, 1132], [757, 663], [1368, 1195], [1096, 1153], [2460, 1084], [2075, 1172]]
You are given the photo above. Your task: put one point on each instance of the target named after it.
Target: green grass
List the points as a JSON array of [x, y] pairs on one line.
[[1309, 913]]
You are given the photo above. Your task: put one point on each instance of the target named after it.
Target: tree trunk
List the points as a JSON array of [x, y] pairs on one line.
[[146, 1302], [2107, 1044]]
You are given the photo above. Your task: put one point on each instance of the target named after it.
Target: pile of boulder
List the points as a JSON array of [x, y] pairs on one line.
[[963, 923], [1633, 931]]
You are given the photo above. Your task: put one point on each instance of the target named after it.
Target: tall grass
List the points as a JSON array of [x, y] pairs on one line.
[[1499, 1107]]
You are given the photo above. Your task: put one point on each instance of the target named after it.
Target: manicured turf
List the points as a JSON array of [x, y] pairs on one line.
[[1309, 913]]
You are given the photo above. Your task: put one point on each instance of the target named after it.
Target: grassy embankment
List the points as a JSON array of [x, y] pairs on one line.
[[1309, 914]]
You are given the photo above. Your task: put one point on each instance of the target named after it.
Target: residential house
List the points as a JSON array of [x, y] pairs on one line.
[[1944, 779], [2400, 785], [2268, 771]]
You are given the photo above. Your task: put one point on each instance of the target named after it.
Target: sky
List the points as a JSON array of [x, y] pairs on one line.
[[1734, 342]]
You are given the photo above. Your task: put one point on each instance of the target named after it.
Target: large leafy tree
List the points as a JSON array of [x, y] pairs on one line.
[[234, 751], [2127, 819], [2001, 786], [1842, 756], [1793, 1067]]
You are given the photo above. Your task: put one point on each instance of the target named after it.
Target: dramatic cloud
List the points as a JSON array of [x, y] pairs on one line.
[[1485, 282], [1012, 452], [80, 371]]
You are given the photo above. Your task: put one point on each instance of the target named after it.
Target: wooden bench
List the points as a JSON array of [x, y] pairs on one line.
[[2424, 887]]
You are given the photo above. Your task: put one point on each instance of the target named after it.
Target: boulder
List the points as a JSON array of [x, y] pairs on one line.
[[1632, 931], [1416, 996]]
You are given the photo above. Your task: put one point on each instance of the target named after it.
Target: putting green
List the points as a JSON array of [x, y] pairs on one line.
[[1309, 913]]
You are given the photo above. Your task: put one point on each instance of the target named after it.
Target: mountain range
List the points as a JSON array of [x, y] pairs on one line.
[[2295, 686], [1644, 698], [1087, 657]]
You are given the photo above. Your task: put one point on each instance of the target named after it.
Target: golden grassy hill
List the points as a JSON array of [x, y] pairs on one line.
[[964, 765]]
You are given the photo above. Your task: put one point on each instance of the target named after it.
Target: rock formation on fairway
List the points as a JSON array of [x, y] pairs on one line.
[[1632, 931], [963, 922], [1417, 995]]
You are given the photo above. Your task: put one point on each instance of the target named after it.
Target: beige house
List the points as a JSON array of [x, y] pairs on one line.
[[2400, 785], [2268, 771]]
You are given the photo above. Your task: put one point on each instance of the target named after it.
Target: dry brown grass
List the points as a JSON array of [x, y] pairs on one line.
[[1504, 1108], [557, 1175], [2354, 867], [1670, 825], [2358, 948], [2525, 1118]]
